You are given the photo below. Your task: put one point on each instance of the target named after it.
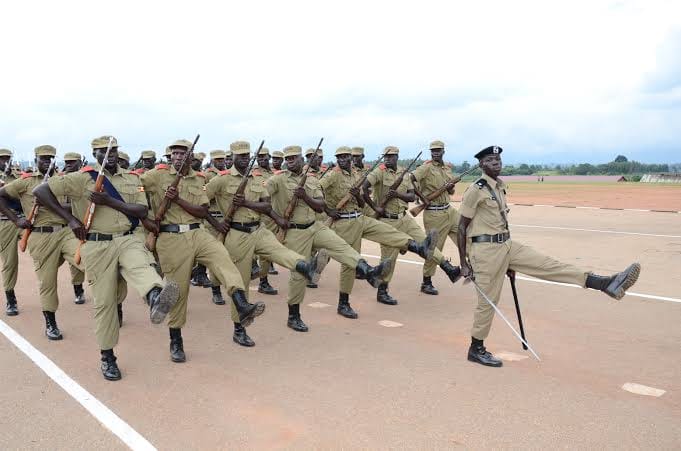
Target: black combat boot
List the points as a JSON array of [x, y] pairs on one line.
[[255, 270], [80, 294], [312, 268], [176, 345], [247, 311], [265, 288], [217, 296], [240, 336], [616, 285], [478, 354], [372, 275], [383, 296], [161, 300], [427, 287], [294, 320], [51, 329], [119, 310], [272, 271], [110, 369], [11, 307], [453, 272], [200, 278], [425, 248], [344, 308]]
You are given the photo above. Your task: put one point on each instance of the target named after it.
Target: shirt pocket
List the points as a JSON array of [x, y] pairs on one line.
[[196, 193], [128, 192], [256, 191]]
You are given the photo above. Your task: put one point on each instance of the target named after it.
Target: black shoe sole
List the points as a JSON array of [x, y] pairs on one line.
[[257, 311], [634, 271], [166, 300], [11, 313], [355, 316], [219, 303], [178, 360], [60, 337], [386, 302], [431, 293], [297, 329], [321, 259], [492, 365], [245, 345], [269, 292], [110, 378]]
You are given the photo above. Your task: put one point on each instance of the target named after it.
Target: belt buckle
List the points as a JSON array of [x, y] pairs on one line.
[[499, 238], [183, 228]]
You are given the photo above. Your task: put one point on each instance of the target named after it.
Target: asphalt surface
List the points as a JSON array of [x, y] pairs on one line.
[[350, 384]]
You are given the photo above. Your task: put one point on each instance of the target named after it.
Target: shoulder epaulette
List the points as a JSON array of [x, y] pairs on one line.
[[87, 169], [481, 183], [25, 175], [201, 174], [225, 172], [255, 172], [162, 166], [323, 167], [428, 162], [337, 169], [382, 167], [277, 171]]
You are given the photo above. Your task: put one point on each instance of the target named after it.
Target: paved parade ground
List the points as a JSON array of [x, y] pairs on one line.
[[397, 377]]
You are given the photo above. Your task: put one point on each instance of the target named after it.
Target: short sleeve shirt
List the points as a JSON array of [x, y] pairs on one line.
[[191, 189], [479, 205], [224, 187], [281, 188], [430, 177], [22, 189], [336, 184], [381, 179]]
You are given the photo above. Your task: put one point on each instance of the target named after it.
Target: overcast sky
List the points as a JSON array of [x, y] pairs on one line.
[[566, 81]]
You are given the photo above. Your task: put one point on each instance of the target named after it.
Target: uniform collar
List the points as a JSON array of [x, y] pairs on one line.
[[497, 183], [119, 171], [191, 173], [233, 171]]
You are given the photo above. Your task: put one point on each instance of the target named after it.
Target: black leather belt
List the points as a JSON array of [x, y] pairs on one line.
[[106, 236], [498, 238], [246, 227], [394, 216], [47, 229], [350, 215], [178, 228], [432, 207], [300, 226]]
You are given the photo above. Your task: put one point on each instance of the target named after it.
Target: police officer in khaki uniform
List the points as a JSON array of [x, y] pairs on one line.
[[229, 159], [266, 267], [182, 241], [8, 237], [440, 215], [359, 167], [493, 254], [197, 161], [247, 237], [112, 254], [306, 234], [199, 277], [380, 182], [277, 159], [352, 225], [50, 242], [72, 163], [123, 160], [149, 160]]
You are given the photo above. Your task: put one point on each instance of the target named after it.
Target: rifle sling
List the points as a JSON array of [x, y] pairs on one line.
[[501, 209], [113, 192]]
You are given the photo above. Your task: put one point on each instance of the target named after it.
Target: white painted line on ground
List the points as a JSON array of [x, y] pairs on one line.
[[531, 279], [596, 231], [510, 356], [388, 323], [102, 413], [639, 389], [318, 305], [591, 208], [542, 205]]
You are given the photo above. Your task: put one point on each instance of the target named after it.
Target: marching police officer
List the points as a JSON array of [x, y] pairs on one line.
[[8, 237]]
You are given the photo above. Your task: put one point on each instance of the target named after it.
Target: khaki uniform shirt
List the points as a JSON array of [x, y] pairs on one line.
[[223, 188], [191, 189], [7, 178], [78, 185], [479, 205], [430, 177], [281, 187], [381, 179], [336, 184], [22, 189], [211, 173]]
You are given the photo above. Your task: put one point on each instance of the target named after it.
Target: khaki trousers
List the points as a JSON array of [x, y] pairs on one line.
[[177, 253], [304, 241], [214, 280], [243, 246], [110, 266], [446, 222], [77, 276], [262, 261], [49, 251], [9, 253], [490, 261], [353, 230], [408, 225]]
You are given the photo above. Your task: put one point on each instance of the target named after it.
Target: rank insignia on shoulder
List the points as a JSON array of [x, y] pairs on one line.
[[481, 183]]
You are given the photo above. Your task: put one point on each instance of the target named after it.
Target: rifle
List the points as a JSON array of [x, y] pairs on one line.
[[34, 211], [240, 190], [343, 202], [150, 242], [281, 234], [331, 166], [396, 184], [429, 198], [8, 167]]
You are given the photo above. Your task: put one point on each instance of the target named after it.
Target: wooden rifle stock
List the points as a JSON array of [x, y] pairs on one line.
[[150, 242], [34, 212], [281, 234], [429, 198], [396, 184]]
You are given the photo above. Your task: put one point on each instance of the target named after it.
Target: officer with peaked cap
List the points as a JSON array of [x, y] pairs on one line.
[[112, 253], [247, 237], [266, 267], [352, 225], [381, 180], [305, 233], [493, 253], [439, 215], [50, 242], [8, 237]]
